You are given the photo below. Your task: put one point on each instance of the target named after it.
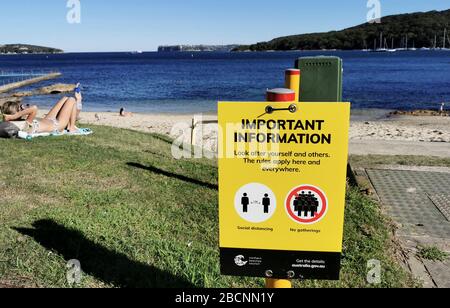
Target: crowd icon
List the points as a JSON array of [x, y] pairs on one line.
[[306, 205]]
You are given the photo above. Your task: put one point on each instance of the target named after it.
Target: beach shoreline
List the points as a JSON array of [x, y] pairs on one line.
[[399, 127], [391, 135]]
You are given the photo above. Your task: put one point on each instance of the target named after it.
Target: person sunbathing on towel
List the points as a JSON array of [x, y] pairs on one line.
[[61, 117]]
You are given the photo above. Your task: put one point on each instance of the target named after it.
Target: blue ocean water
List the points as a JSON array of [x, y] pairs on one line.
[[186, 82]]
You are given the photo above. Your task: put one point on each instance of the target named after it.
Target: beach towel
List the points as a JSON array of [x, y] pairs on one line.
[[80, 132]]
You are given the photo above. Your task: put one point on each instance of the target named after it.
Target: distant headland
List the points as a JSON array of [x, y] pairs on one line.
[[427, 30], [197, 48], [24, 49]]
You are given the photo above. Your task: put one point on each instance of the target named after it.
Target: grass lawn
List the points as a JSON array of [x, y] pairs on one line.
[[135, 217]]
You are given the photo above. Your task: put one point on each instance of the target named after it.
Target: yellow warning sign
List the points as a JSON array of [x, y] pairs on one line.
[[282, 179]]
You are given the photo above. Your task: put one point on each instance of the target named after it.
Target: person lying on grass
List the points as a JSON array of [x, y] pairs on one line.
[[61, 117]]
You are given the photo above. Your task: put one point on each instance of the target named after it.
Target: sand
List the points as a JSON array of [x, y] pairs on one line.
[[150, 123], [403, 128], [402, 135], [395, 135]]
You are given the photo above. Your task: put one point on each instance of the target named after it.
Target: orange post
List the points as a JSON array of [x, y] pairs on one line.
[[293, 78], [278, 284], [280, 95]]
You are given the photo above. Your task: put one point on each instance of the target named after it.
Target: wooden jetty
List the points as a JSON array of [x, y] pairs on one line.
[[26, 82]]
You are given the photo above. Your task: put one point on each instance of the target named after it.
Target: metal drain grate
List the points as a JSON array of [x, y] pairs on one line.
[[418, 200], [442, 202]]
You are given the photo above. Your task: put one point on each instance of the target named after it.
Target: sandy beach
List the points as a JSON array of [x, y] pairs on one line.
[[398, 128], [395, 135], [403, 128]]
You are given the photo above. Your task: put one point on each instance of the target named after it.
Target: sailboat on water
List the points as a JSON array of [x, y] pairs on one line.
[[383, 45], [445, 41], [435, 43], [382, 48], [365, 49], [405, 44], [392, 49], [429, 48]]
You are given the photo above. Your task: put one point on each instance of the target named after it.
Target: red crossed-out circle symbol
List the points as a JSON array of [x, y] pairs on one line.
[[316, 208]]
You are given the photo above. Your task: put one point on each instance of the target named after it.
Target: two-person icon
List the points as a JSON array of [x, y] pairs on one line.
[[266, 203]]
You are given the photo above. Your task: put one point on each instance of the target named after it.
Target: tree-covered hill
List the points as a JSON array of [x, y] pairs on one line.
[[26, 49], [420, 28]]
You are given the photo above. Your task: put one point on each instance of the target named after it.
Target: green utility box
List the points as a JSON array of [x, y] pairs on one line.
[[321, 79]]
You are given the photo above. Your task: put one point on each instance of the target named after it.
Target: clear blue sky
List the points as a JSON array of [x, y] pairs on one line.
[[123, 25]]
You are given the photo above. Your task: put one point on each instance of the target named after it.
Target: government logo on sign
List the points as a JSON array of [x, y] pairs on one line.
[[240, 261]]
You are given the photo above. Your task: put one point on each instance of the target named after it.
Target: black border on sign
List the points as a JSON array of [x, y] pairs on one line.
[[281, 264]]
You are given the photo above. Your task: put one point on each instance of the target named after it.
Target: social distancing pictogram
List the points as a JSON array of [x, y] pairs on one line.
[[255, 203]]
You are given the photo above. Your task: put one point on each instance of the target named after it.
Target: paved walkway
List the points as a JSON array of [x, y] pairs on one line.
[[419, 202]]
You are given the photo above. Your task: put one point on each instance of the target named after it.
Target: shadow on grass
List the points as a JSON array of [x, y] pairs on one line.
[[106, 265], [173, 175]]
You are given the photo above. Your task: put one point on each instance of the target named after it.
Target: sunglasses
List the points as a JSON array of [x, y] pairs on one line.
[[24, 107]]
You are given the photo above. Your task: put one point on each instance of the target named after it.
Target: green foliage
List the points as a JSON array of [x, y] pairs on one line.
[[432, 254], [421, 29], [366, 161], [30, 49]]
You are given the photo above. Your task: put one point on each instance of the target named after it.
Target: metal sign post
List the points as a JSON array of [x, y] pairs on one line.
[[284, 95]]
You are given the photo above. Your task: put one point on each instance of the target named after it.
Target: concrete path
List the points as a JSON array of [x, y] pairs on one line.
[[380, 147], [418, 200]]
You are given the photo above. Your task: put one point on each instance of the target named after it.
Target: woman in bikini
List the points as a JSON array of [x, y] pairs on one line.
[[61, 117]]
